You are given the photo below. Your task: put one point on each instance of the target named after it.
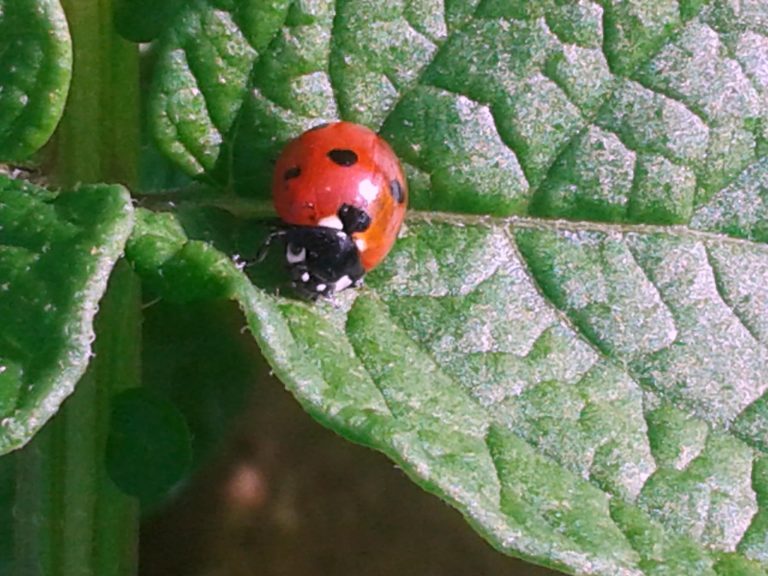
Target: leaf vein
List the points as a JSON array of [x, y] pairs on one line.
[[609, 94], [722, 294]]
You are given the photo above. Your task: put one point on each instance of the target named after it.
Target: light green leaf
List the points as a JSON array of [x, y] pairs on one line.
[[56, 253], [35, 69], [645, 112], [574, 390], [576, 357], [202, 75]]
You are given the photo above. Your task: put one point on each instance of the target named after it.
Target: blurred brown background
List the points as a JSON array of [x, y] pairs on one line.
[[284, 496]]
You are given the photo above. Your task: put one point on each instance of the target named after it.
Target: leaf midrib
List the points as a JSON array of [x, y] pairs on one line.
[[262, 210]]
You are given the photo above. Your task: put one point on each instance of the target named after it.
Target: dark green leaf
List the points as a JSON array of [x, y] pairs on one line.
[[56, 253], [149, 444], [210, 393], [144, 20], [7, 494], [35, 69]]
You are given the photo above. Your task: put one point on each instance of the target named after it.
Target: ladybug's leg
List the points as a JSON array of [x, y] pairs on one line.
[[265, 246], [351, 272], [354, 220]]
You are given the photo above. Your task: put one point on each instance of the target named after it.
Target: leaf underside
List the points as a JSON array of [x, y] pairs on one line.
[[56, 253], [583, 373], [35, 69]]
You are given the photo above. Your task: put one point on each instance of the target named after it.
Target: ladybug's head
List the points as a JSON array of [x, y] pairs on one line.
[[321, 260]]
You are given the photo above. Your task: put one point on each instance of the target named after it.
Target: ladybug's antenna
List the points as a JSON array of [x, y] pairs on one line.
[[264, 249]]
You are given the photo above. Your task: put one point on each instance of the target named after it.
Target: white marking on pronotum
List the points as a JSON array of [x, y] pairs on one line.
[[367, 190], [341, 283], [361, 244], [320, 287], [331, 222], [341, 234], [305, 277], [293, 257]]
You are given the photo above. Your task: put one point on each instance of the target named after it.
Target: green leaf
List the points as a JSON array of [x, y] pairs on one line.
[[144, 20], [187, 332], [205, 396], [587, 395], [201, 76], [7, 493], [576, 357], [56, 253], [149, 444], [35, 69], [641, 112]]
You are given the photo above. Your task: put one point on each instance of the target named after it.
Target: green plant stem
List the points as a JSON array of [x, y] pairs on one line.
[[98, 137], [69, 518]]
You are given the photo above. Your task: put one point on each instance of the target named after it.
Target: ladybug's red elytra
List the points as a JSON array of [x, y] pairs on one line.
[[341, 193]]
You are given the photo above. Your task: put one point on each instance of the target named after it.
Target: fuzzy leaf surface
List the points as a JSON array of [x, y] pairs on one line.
[[56, 254], [587, 395], [568, 343], [35, 69], [642, 112]]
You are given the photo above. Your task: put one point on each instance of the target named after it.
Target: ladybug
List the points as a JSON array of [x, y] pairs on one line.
[[341, 195]]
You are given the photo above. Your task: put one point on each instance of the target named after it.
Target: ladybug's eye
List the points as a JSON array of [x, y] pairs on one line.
[[343, 157], [295, 254]]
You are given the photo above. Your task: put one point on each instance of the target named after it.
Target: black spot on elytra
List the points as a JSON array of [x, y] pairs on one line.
[[343, 157], [396, 189], [293, 172]]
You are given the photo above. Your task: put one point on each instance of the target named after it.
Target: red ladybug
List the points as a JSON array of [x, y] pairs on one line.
[[341, 192]]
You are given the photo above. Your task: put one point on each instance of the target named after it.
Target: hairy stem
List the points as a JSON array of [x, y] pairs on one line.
[[69, 518]]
